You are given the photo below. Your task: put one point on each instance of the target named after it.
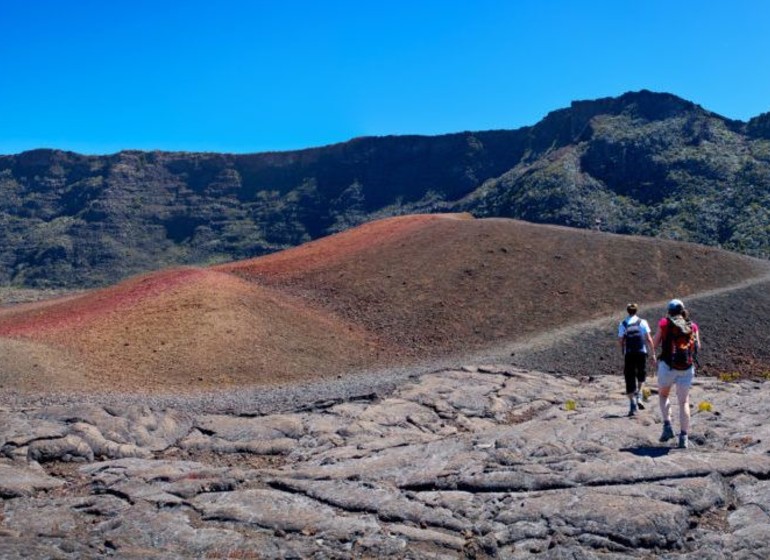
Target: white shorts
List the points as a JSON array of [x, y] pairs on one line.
[[668, 377]]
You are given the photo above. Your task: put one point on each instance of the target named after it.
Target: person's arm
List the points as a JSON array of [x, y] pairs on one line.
[[651, 343], [656, 340], [696, 349], [622, 338]]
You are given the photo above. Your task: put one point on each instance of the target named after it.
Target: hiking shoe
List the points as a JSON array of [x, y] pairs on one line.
[[684, 441], [632, 409], [667, 434], [638, 397]]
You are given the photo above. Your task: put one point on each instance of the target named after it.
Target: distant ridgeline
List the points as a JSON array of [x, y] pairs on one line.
[[642, 163]]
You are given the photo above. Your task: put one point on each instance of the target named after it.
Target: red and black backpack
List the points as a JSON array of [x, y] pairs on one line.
[[679, 344]]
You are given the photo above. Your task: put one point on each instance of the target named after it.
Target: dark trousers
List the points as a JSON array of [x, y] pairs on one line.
[[635, 371]]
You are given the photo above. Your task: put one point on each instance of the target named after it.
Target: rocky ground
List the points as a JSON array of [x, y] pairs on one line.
[[474, 462]]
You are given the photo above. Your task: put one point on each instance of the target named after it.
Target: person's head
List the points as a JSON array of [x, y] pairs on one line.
[[632, 308], [675, 307]]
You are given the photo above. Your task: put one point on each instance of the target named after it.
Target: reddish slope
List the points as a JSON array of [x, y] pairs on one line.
[[449, 285], [181, 329], [386, 293], [338, 249]]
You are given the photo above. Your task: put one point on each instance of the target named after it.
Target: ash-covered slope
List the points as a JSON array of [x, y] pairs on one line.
[[432, 285], [395, 292], [177, 330]]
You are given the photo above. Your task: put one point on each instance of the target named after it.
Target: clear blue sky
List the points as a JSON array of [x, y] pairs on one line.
[[246, 76]]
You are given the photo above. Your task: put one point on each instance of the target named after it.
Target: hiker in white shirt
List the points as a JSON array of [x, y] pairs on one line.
[[634, 337]]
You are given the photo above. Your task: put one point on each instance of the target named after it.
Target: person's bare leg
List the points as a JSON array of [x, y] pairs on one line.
[[665, 410], [665, 404], [639, 393], [683, 396]]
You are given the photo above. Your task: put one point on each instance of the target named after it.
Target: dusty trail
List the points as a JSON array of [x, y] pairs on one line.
[[725, 315], [547, 339]]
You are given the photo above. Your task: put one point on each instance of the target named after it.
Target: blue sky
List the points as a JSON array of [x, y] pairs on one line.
[[248, 76]]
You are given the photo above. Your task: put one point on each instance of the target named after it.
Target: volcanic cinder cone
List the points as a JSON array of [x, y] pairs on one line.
[[391, 292]]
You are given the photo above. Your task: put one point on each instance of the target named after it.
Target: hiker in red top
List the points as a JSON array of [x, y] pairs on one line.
[[679, 341]]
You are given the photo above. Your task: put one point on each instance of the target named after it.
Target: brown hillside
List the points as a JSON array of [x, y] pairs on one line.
[[458, 285], [734, 326], [391, 292], [177, 330]]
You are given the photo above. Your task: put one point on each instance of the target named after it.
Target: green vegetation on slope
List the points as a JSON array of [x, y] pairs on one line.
[[642, 163]]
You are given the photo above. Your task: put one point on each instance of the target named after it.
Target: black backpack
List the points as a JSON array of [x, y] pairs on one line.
[[634, 339]]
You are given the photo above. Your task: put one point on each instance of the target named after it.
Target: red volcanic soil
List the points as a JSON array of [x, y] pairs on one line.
[[391, 292], [463, 284], [337, 249], [181, 329]]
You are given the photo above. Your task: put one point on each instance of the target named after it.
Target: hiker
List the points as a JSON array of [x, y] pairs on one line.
[[678, 339], [634, 337]]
